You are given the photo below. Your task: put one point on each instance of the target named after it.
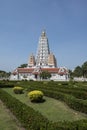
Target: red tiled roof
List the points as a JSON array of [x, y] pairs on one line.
[[28, 70], [51, 70], [62, 71], [31, 70], [25, 70]]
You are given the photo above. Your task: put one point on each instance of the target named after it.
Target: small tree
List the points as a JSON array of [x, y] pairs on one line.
[[70, 74], [78, 72], [22, 66], [84, 69], [45, 75], [4, 74]]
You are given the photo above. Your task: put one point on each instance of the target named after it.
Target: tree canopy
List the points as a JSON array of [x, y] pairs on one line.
[[45, 75], [4, 74], [84, 69], [81, 70], [78, 71], [22, 66]]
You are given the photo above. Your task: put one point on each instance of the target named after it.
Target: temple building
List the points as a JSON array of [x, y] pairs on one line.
[[44, 60]]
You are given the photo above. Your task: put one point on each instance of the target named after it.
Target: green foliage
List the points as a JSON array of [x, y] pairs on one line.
[[68, 94], [7, 121], [45, 75], [71, 74], [78, 72], [18, 90], [4, 74], [32, 120], [36, 96], [84, 68], [22, 66], [29, 118]]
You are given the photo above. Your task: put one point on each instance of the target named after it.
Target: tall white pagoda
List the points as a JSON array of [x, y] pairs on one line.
[[43, 51], [44, 58], [44, 61]]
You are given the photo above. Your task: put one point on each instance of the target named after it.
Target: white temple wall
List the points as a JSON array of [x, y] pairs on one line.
[[13, 77], [29, 76], [58, 77]]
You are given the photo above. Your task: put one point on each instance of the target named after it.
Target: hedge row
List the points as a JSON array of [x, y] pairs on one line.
[[78, 92], [32, 120], [67, 90], [6, 86], [71, 101], [29, 118]]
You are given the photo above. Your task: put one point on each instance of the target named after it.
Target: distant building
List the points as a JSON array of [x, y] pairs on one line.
[[44, 61]]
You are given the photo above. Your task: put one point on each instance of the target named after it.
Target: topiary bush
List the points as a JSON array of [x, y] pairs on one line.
[[36, 96], [18, 90]]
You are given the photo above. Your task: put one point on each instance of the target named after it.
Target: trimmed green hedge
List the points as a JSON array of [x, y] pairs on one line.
[[6, 86], [32, 120], [29, 118], [77, 92], [71, 101]]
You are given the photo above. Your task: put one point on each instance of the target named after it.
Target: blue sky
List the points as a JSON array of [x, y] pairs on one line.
[[21, 24]]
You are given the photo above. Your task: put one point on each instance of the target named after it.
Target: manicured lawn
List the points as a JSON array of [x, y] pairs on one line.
[[7, 120], [52, 109]]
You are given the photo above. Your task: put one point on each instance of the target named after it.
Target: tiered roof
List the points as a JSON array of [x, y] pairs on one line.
[[60, 71]]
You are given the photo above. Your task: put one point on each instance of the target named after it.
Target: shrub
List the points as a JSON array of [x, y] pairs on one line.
[[36, 96], [27, 116], [18, 90]]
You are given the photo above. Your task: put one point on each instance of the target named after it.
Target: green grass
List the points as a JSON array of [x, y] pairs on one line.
[[53, 109], [7, 120]]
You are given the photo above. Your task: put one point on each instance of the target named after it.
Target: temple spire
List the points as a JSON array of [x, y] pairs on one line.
[[43, 50], [43, 33]]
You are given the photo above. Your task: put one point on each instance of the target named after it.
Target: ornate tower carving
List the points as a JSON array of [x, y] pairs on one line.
[[31, 61], [52, 60], [43, 51]]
